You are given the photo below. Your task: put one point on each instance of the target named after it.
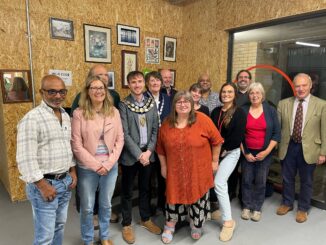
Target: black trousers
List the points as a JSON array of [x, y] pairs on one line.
[[127, 183], [161, 186]]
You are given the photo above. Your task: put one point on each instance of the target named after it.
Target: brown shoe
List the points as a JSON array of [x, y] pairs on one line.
[[128, 234], [151, 227], [114, 218], [283, 209], [106, 242], [227, 232], [216, 215], [301, 216]]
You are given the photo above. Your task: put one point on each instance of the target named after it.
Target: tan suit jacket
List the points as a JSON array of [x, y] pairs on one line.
[[314, 128]]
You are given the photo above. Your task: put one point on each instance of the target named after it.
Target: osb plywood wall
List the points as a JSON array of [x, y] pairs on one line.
[[199, 27], [154, 18]]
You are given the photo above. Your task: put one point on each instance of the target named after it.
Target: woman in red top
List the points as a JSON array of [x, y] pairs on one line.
[[261, 137], [188, 146]]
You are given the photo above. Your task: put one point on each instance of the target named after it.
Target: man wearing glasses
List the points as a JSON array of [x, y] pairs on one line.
[[243, 81], [45, 162]]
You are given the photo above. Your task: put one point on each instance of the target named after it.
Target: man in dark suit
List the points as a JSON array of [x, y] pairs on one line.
[[140, 125], [303, 144]]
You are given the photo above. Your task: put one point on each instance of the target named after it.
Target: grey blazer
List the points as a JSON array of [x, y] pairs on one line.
[[131, 150]]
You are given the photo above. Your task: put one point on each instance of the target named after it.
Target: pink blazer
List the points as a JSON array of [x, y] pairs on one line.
[[86, 135]]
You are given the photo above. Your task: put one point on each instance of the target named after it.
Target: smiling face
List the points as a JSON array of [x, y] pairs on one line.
[[196, 95], [183, 106], [243, 81], [227, 94], [167, 78], [136, 85], [154, 85], [255, 96], [205, 83], [302, 86], [97, 92], [53, 91]]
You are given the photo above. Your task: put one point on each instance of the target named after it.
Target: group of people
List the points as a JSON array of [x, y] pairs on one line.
[[191, 142]]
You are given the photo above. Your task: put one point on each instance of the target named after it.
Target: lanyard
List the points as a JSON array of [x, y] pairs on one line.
[[219, 123]]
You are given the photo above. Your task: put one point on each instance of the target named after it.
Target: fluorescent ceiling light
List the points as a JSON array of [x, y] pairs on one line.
[[308, 44]]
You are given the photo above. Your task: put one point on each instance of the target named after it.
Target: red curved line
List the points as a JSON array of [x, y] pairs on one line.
[[275, 69]]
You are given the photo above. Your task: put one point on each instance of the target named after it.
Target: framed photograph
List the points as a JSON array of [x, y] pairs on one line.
[[170, 49], [129, 63], [61, 29], [97, 44], [128, 35], [16, 86], [173, 74], [111, 84], [152, 50]]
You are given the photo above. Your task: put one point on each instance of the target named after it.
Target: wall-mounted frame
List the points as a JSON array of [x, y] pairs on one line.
[[128, 35], [97, 44], [16, 86], [61, 29], [170, 49], [111, 84], [129, 63]]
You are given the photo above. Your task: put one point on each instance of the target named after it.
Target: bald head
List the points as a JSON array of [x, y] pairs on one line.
[[101, 71], [205, 82], [53, 91], [47, 80], [166, 77], [302, 85]]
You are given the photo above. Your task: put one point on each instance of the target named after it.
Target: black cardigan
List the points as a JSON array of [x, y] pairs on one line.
[[234, 134]]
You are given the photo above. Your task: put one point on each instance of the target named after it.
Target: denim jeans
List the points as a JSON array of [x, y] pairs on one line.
[[225, 169], [50, 217], [254, 176], [88, 182]]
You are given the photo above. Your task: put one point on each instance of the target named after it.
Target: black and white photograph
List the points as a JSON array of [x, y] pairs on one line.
[[128, 35], [61, 29], [170, 46], [97, 44], [111, 84]]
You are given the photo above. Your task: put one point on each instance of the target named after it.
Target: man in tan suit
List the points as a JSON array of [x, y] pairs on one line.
[[303, 144]]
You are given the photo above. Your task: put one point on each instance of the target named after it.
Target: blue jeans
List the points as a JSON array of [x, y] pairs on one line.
[[225, 169], [50, 217], [88, 182], [254, 176]]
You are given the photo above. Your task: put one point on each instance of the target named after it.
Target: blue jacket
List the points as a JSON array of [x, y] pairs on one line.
[[273, 128]]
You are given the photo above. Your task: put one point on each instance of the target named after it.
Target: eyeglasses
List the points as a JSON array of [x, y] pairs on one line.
[[96, 89], [53, 92], [183, 102]]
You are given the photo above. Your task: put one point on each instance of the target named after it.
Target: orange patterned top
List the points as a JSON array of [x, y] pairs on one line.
[[188, 159]]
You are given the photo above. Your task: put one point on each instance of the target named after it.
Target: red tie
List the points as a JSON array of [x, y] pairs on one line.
[[297, 127]]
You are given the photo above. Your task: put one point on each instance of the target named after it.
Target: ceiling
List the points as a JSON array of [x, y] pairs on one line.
[[311, 30]]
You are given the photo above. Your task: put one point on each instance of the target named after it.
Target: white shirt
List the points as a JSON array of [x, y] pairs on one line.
[[305, 103]]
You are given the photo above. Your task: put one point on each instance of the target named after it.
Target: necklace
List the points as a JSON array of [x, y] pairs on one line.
[[140, 109]]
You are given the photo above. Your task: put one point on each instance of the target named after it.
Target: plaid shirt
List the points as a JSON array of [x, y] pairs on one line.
[[211, 102], [43, 144]]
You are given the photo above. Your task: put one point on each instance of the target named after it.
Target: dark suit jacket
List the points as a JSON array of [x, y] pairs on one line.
[[130, 123]]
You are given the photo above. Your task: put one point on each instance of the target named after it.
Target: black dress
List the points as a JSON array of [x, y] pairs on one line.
[[204, 109]]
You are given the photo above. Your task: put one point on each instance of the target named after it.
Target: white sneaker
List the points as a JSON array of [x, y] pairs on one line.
[[245, 214], [256, 215]]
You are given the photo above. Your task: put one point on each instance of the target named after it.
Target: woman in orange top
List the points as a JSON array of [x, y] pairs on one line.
[[188, 147]]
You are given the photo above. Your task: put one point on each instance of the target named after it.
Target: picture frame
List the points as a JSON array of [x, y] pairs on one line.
[[152, 50], [174, 75], [61, 29], [111, 84], [170, 49], [128, 63], [16, 86], [128, 35], [97, 40]]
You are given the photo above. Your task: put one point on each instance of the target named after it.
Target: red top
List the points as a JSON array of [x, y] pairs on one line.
[[255, 131], [188, 159]]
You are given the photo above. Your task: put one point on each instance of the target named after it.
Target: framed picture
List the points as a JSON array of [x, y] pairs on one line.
[[152, 50], [97, 44], [173, 75], [128, 35], [16, 86], [129, 63], [111, 84], [61, 29], [170, 48]]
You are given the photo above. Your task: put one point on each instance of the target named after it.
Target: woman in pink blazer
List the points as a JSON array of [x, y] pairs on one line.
[[97, 141]]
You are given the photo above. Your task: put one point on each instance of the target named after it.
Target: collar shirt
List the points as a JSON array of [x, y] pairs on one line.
[[211, 102], [305, 103], [43, 144]]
